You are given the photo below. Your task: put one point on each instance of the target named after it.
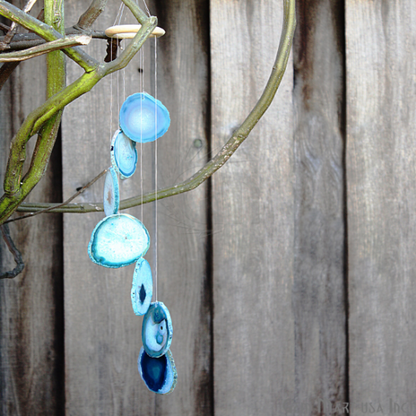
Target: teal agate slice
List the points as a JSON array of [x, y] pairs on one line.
[[123, 155], [157, 330], [139, 115], [142, 287], [111, 198], [118, 240], [159, 374]]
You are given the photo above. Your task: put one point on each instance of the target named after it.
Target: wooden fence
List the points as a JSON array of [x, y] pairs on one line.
[[290, 276]]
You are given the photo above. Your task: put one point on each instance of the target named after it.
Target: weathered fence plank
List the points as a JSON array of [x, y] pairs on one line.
[[101, 371], [381, 125], [319, 259], [252, 216], [31, 319]]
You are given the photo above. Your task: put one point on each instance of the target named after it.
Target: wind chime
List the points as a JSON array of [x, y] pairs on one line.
[[121, 239]]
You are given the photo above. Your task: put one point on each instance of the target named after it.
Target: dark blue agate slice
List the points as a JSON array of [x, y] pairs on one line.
[[123, 155], [139, 116], [142, 287], [159, 374], [157, 330]]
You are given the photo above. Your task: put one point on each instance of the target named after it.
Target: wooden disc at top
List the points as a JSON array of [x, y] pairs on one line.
[[130, 31]]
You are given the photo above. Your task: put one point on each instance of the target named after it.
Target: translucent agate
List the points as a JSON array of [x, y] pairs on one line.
[[157, 330], [123, 155], [139, 115], [159, 374], [111, 197], [142, 287], [118, 240]]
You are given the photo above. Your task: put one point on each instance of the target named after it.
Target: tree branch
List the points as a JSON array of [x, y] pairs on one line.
[[138, 13], [15, 189], [91, 14], [45, 48], [28, 40], [79, 192], [16, 254], [46, 32], [13, 27], [227, 150]]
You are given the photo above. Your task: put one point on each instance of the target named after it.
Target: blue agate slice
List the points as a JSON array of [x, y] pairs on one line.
[[118, 240], [123, 155], [139, 115], [159, 374], [157, 330], [111, 198], [142, 287]]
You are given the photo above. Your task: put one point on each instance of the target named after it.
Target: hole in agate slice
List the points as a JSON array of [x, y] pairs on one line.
[[157, 330], [142, 287], [111, 198], [159, 374], [138, 116], [123, 155], [118, 240]]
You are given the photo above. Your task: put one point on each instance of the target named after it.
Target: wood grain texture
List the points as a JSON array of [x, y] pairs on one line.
[[31, 320], [381, 125], [252, 217], [103, 336], [319, 258]]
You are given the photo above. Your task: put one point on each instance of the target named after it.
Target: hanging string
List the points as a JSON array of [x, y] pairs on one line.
[[111, 98], [141, 88], [155, 204], [117, 20], [147, 9]]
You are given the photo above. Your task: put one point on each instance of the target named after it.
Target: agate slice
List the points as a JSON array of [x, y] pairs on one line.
[[139, 115], [111, 199], [142, 287], [118, 240], [159, 374], [123, 155], [157, 330]]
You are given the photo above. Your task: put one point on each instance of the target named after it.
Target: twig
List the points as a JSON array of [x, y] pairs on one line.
[[16, 189], [227, 150], [4, 27], [28, 40], [6, 70], [91, 14], [46, 32], [45, 48], [79, 192], [16, 254], [13, 27]]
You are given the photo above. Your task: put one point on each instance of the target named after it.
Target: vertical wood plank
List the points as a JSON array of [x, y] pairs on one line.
[[31, 320], [319, 265], [103, 336], [252, 216], [381, 125]]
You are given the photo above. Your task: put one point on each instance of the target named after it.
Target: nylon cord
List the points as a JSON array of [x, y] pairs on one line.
[[156, 178]]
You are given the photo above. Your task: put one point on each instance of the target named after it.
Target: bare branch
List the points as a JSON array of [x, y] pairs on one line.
[[89, 17], [16, 189], [16, 254], [13, 27], [29, 40], [138, 13], [45, 48], [79, 192], [227, 150], [5, 72], [46, 32]]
